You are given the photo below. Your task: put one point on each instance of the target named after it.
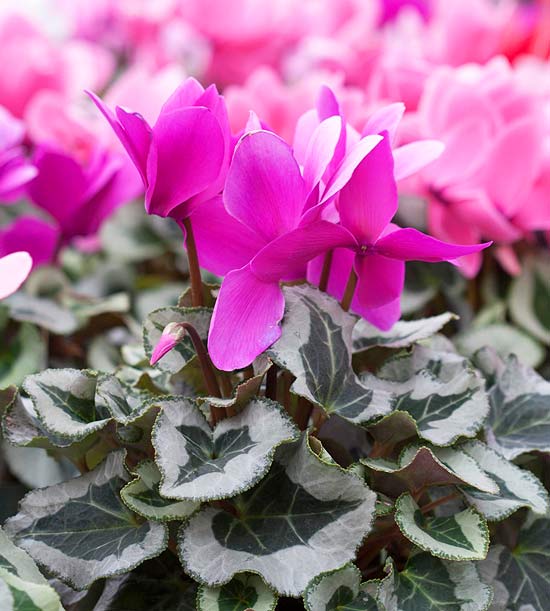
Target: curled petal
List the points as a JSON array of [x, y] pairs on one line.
[[245, 320], [410, 158]]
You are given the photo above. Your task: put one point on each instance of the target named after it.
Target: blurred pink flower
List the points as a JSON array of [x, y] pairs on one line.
[[33, 235], [15, 170]]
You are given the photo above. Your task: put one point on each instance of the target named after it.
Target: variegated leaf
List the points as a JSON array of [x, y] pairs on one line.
[[42, 312], [142, 496], [305, 517], [517, 487], [242, 593], [124, 402], [340, 590], [22, 586], [184, 351], [64, 400], [81, 530], [430, 584], [519, 420], [404, 333], [198, 463], [520, 577], [463, 536], [436, 395], [315, 347], [530, 295], [22, 355], [419, 467]]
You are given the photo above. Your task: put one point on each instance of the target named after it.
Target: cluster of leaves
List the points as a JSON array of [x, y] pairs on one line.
[[347, 469]]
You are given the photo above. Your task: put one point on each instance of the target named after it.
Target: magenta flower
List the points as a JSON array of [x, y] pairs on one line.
[[14, 269], [183, 158], [81, 196], [15, 169], [268, 234], [366, 205]]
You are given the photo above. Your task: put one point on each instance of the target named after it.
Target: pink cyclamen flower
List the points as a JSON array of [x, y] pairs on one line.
[[15, 170], [81, 195], [172, 335], [14, 269], [184, 157], [270, 230]]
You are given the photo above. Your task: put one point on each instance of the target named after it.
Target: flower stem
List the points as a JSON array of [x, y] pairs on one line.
[[271, 383], [325, 274], [350, 290], [194, 268], [208, 374]]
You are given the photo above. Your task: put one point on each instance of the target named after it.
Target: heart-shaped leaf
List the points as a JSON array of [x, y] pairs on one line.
[[242, 593], [463, 536], [430, 584], [315, 346], [304, 518], [81, 530], [198, 463]]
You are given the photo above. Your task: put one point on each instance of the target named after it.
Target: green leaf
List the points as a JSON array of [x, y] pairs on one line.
[[64, 400], [430, 584], [243, 592], [26, 353], [340, 590], [404, 333], [435, 395], [519, 420], [315, 347], [517, 487], [505, 339], [43, 312], [521, 577], [142, 496], [530, 296], [305, 517], [22, 586], [81, 530], [156, 585], [198, 463], [463, 536], [124, 402], [419, 467], [183, 352]]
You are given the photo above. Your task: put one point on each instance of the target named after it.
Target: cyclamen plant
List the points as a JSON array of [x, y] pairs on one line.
[[279, 443]]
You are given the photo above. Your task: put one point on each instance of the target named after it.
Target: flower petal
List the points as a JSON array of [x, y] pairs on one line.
[[14, 269], [33, 235], [264, 187], [186, 156], [349, 164], [321, 150], [380, 282], [413, 245], [185, 95], [412, 157], [213, 226], [245, 320], [368, 201], [287, 256], [386, 119]]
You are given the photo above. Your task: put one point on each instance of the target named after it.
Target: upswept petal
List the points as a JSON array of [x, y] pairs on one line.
[[327, 104], [186, 156], [14, 175], [386, 119], [213, 227], [340, 268], [286, 257], [245, 320], [264, 188], [33, 235], [14, 269], [134, 133], [412, 245], [321, 150], [185, 95], [349, 164], [412, 157], [369, 201]]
